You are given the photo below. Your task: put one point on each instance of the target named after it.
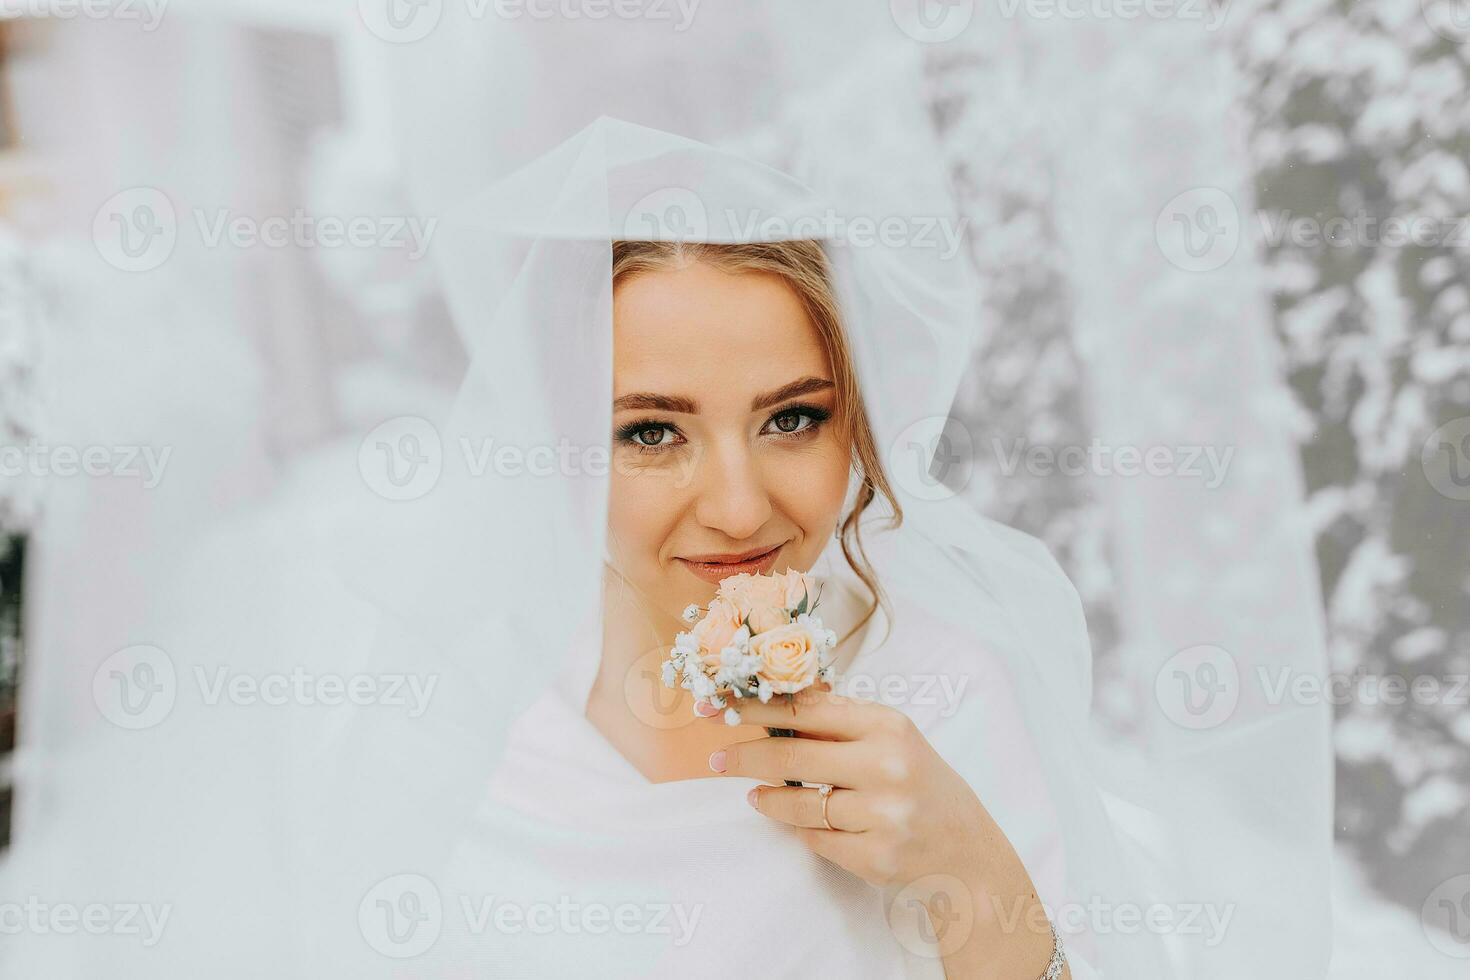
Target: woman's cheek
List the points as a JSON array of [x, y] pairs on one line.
[[814, 493], [632, 516]]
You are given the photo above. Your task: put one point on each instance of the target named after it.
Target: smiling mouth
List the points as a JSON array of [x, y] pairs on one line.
[[713, 568]]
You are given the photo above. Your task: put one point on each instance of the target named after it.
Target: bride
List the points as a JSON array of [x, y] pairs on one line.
[[758, 401], [736, 384], [737, 424]]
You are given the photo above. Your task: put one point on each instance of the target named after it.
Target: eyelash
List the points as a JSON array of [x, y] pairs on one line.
[[817, 415]]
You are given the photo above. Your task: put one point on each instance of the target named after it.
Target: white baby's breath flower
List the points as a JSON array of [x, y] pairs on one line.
[[730, 656], [686, 643], [670, 675], [691, 613], [732, 717], [764, 690], [703, 687]]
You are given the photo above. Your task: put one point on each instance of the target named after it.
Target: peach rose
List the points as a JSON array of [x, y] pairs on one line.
[[715, 631], [796, 585], [763, 618], [750, 592], [789, 658]]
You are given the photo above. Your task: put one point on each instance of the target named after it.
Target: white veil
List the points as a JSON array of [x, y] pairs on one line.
[[1231, 820], [482, 573]]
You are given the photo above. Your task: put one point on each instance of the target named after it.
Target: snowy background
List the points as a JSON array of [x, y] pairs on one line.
[[1333, 223]]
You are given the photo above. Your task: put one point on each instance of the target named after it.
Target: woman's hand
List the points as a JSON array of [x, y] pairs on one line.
[[903, 819]]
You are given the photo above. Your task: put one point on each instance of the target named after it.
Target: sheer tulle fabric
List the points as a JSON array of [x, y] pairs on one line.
[[492, 585]]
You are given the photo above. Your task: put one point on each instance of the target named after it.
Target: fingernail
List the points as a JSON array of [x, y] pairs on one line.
[[717, 761], [705, 710], [750, 797]]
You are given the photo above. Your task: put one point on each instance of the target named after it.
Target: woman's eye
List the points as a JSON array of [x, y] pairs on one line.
[[792, 422], [651, 436]]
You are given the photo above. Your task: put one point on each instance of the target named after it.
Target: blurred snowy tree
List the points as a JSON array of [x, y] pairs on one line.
[[1358, 112], [1362, 112], [1025, 386]]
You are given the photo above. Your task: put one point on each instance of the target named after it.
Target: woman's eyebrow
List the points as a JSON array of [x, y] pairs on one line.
[[662, 403], [804, 386], [688, 406]]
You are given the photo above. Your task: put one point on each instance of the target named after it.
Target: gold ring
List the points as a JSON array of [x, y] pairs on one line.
[[825, 791]]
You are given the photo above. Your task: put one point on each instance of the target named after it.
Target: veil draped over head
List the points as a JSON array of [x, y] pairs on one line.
[[477, 540], [497, 574]]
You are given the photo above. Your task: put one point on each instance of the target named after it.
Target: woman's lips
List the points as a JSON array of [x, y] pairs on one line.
[[714, 571]]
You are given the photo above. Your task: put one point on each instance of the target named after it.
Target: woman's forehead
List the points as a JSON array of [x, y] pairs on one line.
[[699, 325]]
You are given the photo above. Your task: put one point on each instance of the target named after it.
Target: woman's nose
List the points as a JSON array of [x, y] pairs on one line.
[[732, 495]]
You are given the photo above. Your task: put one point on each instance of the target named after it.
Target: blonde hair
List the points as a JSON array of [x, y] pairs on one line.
[[803, 266]]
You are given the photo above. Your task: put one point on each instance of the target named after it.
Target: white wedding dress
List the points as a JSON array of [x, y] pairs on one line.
[[567, 819]]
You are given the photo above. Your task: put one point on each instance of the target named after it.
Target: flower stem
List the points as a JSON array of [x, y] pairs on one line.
[[784, 733]]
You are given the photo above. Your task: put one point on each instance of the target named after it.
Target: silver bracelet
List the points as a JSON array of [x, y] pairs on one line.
[[1058, 956]]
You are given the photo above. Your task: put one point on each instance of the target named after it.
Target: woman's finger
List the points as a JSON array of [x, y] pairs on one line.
[[814, 712], [801, 806], [807, 760]]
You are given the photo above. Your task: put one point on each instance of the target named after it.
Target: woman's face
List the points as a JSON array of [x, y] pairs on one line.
[[725, 436]]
